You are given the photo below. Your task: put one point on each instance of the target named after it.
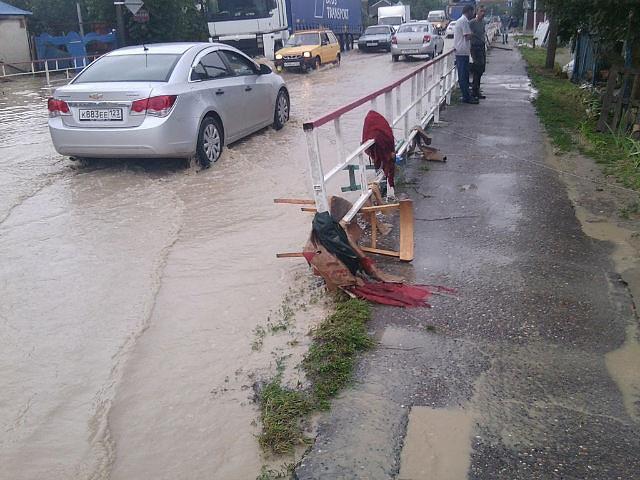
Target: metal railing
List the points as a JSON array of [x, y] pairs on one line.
[[414, 100], [67, 65]]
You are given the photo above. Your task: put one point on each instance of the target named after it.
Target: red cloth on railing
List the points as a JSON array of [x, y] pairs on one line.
[[383, 152]]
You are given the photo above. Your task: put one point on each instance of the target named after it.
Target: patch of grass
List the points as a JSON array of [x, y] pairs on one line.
[[630, 209], [258, 341], [282, 411], [329, 363], [329, 367], [570, 113], [268, 473]]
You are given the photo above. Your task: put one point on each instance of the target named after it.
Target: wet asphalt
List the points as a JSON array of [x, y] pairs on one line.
[[522, 346]]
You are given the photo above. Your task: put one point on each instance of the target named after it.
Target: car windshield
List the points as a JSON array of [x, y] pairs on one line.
[[435, 17], [299, 39], [130, 68], [413, 29], [376, 31], [228, 10]]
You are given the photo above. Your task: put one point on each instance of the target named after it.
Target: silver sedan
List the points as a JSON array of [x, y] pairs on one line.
[[166, 100], [416, 39]]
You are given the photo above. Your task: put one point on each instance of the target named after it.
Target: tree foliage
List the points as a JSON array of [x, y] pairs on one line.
[[611, 21], [169, 20]]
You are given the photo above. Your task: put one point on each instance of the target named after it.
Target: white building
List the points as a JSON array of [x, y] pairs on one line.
[[14, 35]]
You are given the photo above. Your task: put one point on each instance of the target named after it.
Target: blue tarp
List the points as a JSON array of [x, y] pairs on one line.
[[70, 45]]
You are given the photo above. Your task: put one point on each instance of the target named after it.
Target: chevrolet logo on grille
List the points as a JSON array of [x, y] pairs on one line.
[[95, 96]]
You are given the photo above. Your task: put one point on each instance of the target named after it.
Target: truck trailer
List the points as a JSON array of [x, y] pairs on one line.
[[454, 9], [395, 15], [260, 27]]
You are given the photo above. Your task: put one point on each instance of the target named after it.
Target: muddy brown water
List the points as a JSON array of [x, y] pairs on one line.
[[131, 290]]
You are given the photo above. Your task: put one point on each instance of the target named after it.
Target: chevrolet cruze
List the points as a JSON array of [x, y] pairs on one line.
[[176, 100]]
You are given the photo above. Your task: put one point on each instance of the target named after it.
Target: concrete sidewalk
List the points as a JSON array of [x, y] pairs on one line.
[[515, 378]]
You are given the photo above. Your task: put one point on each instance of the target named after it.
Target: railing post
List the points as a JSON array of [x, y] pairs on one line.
[[317, 175], [339, 142], [438, 89], [374, 104], [388, 106], [414, 94], [362, 166], [46, 72]]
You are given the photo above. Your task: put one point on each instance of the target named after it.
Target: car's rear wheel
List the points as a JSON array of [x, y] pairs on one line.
[[283, 107], [210, 142], [338, 59], [395, 57], [317, 63]]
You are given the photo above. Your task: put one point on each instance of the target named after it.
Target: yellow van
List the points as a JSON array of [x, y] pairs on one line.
[[308, 49]]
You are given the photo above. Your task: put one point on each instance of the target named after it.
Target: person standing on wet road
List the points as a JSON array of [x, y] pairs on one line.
[[462, 45], [478, 51]]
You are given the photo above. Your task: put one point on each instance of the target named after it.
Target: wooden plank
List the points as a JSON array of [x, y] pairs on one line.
[[387, 253], [294, 201], [290, 255], [374, 208], [374, 229], [406, 230], [608, 99], [617, 113], [380, 208]]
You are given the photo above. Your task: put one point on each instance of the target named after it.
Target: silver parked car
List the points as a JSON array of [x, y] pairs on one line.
[[416, 39], [166, 100], [377, 37]]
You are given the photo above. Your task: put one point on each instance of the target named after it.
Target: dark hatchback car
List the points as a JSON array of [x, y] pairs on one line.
[[377, 37]]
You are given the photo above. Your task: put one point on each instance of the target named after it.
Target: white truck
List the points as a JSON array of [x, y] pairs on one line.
[[395, 15], [260, 27]]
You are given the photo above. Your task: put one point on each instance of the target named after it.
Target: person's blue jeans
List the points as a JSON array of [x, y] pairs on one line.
[[462, 64]]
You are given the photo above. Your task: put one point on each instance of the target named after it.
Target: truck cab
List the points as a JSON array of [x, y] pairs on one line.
[[253, 26]]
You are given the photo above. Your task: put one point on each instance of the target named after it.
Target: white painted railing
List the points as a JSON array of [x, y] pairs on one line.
[[66, 65], [414, 100]]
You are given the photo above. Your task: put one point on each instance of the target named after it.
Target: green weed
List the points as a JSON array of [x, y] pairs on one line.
[[328, 366]]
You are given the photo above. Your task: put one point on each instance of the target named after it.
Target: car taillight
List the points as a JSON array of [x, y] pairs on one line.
[[426, 39], [57, 107], [159, 106], [394, 40]]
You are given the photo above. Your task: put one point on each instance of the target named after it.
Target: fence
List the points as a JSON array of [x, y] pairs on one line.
[[46, 67], [621, 100], [414, 100]]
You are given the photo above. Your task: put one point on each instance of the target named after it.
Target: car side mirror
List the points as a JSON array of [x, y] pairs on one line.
[[265, 69]]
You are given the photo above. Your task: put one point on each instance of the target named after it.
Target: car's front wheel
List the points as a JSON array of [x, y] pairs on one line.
[[283, 107], [210, 142]]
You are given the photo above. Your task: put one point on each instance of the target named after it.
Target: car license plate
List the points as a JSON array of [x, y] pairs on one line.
[[372, 44], [101, 115], [291, 64], [410, 51]]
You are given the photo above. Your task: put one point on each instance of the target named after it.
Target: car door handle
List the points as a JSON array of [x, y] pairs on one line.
[[219, 92], [248, 89]]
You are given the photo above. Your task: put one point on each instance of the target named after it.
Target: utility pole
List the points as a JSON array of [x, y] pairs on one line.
[[80, 23], [120, 20]]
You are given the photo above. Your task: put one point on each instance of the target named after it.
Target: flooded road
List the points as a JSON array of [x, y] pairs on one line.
[[131, 292]]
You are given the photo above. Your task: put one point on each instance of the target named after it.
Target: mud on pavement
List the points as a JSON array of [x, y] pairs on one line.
[[532, 372]]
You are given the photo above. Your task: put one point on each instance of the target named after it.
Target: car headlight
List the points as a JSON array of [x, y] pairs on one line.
[[278, 56], [306, 54]]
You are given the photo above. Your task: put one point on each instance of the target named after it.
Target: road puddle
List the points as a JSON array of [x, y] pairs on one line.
[[437, 444]]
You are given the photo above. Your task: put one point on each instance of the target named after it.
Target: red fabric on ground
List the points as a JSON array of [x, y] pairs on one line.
[[383, 152], [394, 294]]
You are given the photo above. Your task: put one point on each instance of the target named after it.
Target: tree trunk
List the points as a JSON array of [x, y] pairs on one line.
[[552, 43]]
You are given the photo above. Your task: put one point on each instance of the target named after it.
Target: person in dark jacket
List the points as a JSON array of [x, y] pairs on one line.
[[478, 51]]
